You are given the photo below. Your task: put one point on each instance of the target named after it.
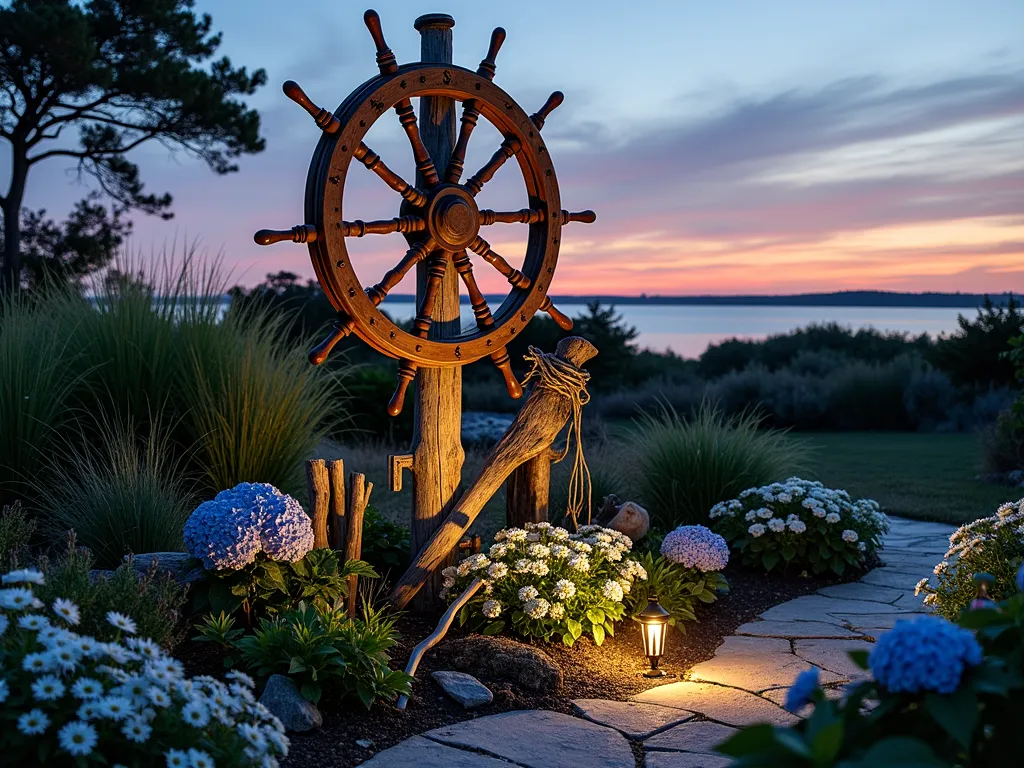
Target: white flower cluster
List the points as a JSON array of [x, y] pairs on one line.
[[545, 572], [77, 688], [976, 546], [795, 509]]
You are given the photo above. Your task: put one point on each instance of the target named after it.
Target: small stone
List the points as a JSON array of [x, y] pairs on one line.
[[364, 743], [465, 689], [282, 697], [504, 659]]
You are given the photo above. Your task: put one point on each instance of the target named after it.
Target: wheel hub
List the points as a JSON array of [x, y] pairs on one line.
[[453, 219]]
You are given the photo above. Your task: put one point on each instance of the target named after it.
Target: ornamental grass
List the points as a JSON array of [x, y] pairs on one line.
[[687, 465]]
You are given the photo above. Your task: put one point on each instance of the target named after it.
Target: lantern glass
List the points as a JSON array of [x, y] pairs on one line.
[[653, 626]]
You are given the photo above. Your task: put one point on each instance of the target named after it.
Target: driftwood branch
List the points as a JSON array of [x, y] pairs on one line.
[[359, 497], [535, 427], [337, 530], [319, 487]]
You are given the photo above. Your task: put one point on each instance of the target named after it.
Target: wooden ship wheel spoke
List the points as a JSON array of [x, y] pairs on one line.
[[438, 215]]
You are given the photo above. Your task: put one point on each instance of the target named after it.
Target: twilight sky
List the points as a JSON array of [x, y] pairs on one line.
[[734, 147]]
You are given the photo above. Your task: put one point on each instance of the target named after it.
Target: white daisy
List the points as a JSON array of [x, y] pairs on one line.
[[120, 621], [77, 738], [33, 723], [47, 688], [177, 758], [24, 576], [67, 611], [136, 730]]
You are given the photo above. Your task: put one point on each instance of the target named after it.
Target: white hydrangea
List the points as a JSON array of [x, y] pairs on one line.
[[832, 517], [491, 609], [537, 608], [850, 536], [777, 525], [556, 612], [564, 589], [612, 590], [756, 530], [527, 593]]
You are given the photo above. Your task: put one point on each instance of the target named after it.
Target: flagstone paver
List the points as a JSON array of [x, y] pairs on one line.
[[635, 720], [700, 736], [680, 723], [540, 739], [684, 760], [732, 706]]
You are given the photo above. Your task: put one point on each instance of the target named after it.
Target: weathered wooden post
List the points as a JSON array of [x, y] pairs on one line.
[[437, 419], [527, 490], [443, 224]]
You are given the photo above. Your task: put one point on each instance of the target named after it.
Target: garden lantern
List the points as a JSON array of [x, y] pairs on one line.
[[653, 625]]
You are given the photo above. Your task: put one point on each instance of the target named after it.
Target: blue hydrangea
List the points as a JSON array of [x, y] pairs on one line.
[[695, 546], [925, 654], [799, 694], [239, 523]]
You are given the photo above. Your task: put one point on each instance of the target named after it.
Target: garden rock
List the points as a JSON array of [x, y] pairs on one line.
[[174, 563], [282, 697], [632, 520], [502, 658], [465, 689]]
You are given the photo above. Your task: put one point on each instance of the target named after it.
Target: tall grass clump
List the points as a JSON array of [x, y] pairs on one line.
[[686, 466], [256, 408], [39, 370], [125, 495]]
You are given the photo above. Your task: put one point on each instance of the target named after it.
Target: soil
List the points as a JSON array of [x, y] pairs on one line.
[[351, 735]]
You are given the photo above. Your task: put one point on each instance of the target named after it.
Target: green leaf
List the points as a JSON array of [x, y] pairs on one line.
[[788, 552], [272, 575], [494, 628], [568, 639], [860, 658], [769, 560], [901, 752], [311, 692], [464, 614], [575, 628], [596, 616], [957, 712], [752, 740], [827, 742], [609, 629], [598, 632]]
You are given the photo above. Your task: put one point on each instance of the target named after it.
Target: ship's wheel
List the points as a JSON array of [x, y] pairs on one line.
[[440, 218]]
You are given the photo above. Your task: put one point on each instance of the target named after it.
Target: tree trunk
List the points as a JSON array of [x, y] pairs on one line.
[[10, 270]]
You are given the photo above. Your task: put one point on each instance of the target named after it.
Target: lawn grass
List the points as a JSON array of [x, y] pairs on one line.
[[920, 475]]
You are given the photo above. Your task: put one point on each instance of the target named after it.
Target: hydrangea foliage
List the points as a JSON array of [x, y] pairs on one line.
[[993, 545], [800, 523], [69, 698], [544, 582], [229, 531]]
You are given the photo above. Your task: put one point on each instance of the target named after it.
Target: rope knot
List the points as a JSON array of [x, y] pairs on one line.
[[552, 372]]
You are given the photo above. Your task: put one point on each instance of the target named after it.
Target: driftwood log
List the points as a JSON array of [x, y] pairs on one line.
[[318, 485], [359, 497], [535, 427], [337, 525]]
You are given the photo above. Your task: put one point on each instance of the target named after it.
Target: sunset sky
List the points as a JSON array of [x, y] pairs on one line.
[[732, 147]]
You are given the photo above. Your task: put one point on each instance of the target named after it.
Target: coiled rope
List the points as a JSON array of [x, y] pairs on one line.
[[558, 375]]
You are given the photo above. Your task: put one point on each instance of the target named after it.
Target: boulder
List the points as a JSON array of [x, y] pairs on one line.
[[465, 689], [504, 659], [175, 563], [282, 697]]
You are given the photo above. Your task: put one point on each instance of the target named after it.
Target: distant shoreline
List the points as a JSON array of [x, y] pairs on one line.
[[838, 299]]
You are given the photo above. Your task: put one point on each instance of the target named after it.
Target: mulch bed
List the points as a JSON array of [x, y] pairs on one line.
[[351, 735]]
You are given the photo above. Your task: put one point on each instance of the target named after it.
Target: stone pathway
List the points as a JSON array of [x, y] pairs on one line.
[[678, 724]]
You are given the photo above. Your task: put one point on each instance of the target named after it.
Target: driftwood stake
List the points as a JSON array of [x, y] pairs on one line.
[[359, 497], [531, 433], [337, 522], [319, 487]]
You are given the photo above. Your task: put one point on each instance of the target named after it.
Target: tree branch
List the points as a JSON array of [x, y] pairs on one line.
[[86, 154]]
